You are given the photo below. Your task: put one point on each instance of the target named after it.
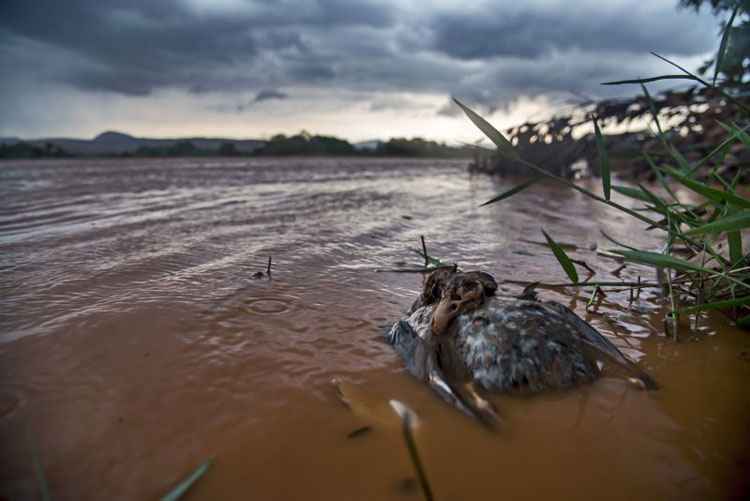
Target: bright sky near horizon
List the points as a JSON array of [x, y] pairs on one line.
[[357, 69]]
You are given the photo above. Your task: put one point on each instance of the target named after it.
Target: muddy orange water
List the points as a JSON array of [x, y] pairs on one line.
[[134, 343]]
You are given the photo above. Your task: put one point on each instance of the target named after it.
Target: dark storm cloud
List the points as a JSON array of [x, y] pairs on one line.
[[535, 30], [489, 54], [267, 94], [135, 47]]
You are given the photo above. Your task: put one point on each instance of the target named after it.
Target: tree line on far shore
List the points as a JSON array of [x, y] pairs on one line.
[[279, 145]]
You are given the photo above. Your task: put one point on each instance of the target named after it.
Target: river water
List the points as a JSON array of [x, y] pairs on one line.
[[135, 342]]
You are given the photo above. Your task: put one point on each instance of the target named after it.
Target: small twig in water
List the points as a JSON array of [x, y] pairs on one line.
[[415, 270], [616, 271], [424, 252], [268, 269], [583, 263], [639, 284]]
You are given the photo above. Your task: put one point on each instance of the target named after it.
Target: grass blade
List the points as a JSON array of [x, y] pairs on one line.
[[682, 69], [603, 161], [712, 194], [503, 145], [562, 258], [186, 484], [736, 132], [654, 113], [735, 222], [511, 192], [408, 420], [735, 246], [717, 305], [632, 193], [647, 80], [695, 77], [723, 45], [661, 261]]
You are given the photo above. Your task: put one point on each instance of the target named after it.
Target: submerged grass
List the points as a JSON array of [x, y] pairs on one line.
[[703, 261], [183, 487]]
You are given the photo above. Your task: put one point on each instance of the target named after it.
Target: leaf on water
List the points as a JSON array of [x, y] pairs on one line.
[[734, 222], [717, 305], [562, 258], [503, 145], [186, 484], [661, 260], [511, 192], [603, 161], [723, 45], [710, 193]]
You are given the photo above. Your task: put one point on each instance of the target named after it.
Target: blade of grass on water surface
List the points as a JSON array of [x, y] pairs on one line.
[[734, 222], [41, 479], [723, 45], [511, 192], [503, 145], [186, 484], [717, 305], [408, 421], [603, 161], [562, 258]]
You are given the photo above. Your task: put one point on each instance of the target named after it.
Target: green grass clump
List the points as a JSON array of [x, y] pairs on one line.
[[707, 266]]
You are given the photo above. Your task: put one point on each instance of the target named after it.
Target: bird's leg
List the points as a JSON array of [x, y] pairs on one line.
[[448, 308], [462, 397]]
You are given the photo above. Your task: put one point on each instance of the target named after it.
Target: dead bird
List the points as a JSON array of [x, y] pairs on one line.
[[461, 338]]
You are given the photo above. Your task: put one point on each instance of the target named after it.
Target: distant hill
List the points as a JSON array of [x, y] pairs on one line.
[[117, 143]]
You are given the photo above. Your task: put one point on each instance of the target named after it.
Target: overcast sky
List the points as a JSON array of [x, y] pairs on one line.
[[359, 69]]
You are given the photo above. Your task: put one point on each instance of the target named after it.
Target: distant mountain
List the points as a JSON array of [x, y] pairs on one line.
[[117, 143], [112, 143]]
